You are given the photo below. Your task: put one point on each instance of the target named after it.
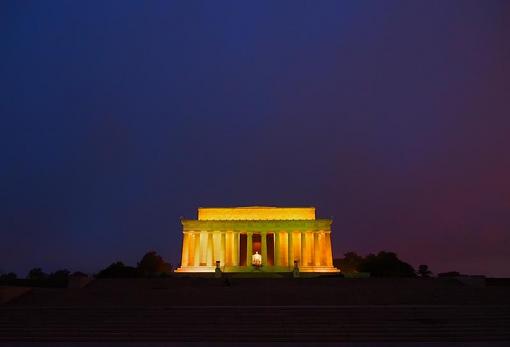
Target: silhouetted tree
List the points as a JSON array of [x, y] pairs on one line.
[[423, 271], [60, 274], [79, 274], [349, 263], [386, 264], [10, 276], [118, 270], [58, 278], [37, 274], [153, 265]]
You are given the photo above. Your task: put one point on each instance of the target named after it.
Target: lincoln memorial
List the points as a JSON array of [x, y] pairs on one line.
[[257, 238]]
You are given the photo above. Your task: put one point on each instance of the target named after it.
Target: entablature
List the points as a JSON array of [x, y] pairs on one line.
[[256, 225]]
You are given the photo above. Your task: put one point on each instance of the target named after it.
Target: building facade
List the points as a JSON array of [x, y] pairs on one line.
[[256, 238]]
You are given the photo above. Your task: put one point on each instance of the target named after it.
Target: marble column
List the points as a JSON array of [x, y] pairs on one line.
[[303, 260], [203, 247], [191, 254], [210, 247], [217, 247], [277, 260], [223, 249], [249, 248], [263, 239], [329, 252], [196, 249], [322, 243], [230, 247], [316, 249], [236, 249], [290, 246]]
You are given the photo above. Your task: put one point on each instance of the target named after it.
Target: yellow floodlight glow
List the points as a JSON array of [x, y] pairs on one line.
[[256, 238], [256, 213]]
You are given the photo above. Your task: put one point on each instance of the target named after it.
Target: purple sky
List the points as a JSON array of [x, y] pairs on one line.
[[118, 117]]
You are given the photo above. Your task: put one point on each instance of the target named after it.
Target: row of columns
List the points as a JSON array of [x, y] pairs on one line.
[[202, 248], [314, 248]]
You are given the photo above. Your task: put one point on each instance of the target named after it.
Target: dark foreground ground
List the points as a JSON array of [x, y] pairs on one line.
[[250, 310], [254, 344]]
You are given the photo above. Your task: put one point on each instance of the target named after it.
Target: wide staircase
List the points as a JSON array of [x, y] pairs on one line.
[[236, 314], [248, 323]]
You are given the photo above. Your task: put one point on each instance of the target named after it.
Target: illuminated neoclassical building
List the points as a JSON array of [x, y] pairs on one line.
[[257, 238]]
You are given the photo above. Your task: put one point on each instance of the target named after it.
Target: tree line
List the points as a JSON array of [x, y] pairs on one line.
[[151, 265], [382, 264]]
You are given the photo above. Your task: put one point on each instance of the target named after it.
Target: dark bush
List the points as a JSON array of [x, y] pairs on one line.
[[382, 264], [8, 278], [349, 263], [79, 274], [118, 270], [37, 274], [153, 265], [423, 271], [386, 264]]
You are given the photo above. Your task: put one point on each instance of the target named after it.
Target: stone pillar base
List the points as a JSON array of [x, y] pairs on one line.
[[318, 269], [196, 269], [227, 269]]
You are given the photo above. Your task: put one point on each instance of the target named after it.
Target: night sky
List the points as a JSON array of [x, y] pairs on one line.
[[118, 117]]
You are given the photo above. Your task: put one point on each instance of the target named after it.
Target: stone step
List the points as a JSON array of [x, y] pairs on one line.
[[54, 328], [259, 337], [349, 323]]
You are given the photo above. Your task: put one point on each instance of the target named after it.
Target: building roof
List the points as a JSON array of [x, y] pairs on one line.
[[256, 213]]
